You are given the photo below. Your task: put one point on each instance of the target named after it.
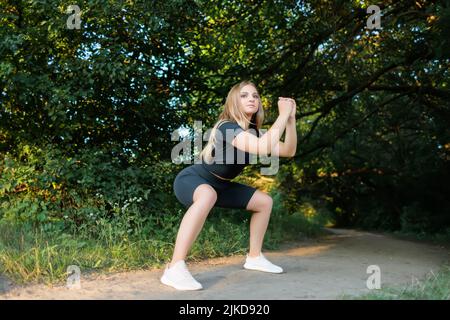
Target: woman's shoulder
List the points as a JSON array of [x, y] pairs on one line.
[[229, 124], [233, 125]]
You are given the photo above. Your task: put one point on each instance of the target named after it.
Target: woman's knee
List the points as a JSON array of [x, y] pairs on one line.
[[267, 202], [205, 193], [260, 201]]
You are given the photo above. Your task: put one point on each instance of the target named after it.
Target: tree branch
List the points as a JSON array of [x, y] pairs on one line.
[[342, 133]]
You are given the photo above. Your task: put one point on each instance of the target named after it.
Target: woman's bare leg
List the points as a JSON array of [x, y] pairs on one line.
[[204, 199], [261, 205]]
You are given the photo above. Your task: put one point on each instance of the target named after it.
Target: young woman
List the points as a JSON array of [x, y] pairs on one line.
[[202, 186]]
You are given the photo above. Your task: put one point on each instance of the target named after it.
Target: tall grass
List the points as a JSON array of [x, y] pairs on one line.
[[38, 257], [29, 254]]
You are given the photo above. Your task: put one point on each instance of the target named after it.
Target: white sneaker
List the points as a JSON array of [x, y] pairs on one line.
[[261, 264], [179, 277]]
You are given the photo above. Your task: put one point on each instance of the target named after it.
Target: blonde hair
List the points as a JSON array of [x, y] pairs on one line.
[[232, 112]]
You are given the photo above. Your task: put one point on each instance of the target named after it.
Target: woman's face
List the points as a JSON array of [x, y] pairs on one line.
[[249, 99]]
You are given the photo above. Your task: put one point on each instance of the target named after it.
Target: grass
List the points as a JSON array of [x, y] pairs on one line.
[[432, 287], [29, 255], [38, 257]]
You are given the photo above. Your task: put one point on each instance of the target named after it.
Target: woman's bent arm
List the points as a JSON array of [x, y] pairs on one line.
[[263, 145], [288, 148]]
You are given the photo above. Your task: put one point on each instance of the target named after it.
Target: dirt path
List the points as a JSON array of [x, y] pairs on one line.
[[321, 269]]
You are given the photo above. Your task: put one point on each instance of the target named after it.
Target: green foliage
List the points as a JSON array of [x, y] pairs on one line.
[[86, 115], [41, 185], [297, 219]]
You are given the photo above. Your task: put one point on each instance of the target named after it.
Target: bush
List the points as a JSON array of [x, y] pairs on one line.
[[414, 218], [305, 217], [42, 185]]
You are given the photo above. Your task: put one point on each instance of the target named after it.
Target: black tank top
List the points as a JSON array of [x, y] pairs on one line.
[[229, 161]]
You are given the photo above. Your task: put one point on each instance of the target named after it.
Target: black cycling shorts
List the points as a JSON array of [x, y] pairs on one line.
[[229, 194]]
